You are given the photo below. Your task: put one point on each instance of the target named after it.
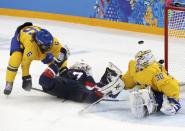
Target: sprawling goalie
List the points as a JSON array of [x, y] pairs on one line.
[[153, 89]]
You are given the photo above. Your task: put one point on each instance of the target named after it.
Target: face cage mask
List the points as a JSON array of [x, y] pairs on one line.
[[45, 48], [82, 66], [42, 47], [144, 59]]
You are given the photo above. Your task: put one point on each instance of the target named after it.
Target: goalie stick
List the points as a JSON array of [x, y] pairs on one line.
[[92, 104]]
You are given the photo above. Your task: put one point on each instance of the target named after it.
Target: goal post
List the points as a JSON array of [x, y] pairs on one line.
[[174, 34]]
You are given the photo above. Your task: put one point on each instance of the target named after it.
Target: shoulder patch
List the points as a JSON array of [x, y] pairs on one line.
[[29, 54]]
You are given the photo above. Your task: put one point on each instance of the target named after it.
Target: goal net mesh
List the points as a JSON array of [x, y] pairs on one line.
[[176, 43]]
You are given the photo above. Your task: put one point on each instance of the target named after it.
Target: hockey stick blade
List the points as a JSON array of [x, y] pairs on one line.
[[89, 105], [94, 103], [39, 90], [36, 89]]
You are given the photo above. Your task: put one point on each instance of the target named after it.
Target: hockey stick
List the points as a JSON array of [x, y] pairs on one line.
[[39, 90], [104, 88], [36, 89], [119, 72], [114, 100], [111, 100], [92, 104]]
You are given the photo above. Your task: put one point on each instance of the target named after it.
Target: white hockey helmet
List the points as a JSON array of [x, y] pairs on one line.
[[144, 58], [82, 66]]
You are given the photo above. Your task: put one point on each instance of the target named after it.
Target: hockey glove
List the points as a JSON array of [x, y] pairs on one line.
[[46, 79], [63, 56], [170, 106], [51, 71], [27, 83], [48, 59]]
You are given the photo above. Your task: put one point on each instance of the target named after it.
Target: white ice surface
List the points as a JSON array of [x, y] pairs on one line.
[[35, 111]]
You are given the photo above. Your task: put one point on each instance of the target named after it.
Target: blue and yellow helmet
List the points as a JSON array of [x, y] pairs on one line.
[[44, 39]]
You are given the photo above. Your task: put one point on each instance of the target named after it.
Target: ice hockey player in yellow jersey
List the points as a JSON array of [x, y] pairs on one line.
[[32, 43], [154, 88]]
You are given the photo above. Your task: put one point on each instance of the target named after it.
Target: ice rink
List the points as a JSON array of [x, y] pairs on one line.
[[36, 111]]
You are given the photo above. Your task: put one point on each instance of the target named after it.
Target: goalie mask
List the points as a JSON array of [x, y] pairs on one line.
[[144, 59], [82, 66]]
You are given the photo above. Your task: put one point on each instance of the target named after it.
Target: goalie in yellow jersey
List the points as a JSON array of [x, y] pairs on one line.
[[32, 43], [155, 88], [152, 88]]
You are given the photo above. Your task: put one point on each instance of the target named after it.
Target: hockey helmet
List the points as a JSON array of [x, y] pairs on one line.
[[82, 66], [44, 39], [144, 58]]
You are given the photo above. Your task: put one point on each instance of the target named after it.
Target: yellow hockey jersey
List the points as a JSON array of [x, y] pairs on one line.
[[31, 49], [153, 76]]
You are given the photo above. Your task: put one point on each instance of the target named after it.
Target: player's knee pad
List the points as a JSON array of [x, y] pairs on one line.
[[142, 102]]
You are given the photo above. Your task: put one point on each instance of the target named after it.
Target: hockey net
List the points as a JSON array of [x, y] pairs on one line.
[[175, 41]]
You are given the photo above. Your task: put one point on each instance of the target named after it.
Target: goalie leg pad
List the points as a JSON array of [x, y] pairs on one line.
[[142, 102], [137, 106]]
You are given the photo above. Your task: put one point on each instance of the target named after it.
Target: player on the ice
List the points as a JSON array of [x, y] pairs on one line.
[[154, 90], [76, 83], [31, 43]]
